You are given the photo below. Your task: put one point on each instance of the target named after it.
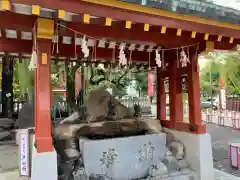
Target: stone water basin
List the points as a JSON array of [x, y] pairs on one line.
[[123, 158]]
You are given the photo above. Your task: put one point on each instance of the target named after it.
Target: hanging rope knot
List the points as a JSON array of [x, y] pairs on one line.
[[122, 57], [84, 47], [183, 58], [158, 59], [75, 44], [33, 62]]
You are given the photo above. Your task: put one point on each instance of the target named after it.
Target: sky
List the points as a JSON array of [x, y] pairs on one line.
[[230, 3]]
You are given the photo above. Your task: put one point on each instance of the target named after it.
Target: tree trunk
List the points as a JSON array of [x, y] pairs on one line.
[[71, 100], [7, 98], [7, 87]]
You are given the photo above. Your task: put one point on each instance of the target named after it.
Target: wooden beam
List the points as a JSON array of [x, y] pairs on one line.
[[185, 127], [119, 33], [26, 23], [23, 23], [157, 19], [65, 50]]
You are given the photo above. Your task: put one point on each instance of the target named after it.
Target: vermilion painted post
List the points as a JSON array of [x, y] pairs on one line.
[[43, 97], [175, 94], [35, 101], [161, 97], [179, 96], [194, 92], [43, 125]]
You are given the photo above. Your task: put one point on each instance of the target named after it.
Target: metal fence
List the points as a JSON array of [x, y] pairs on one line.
[[143, 102], [222, 117], [233, 104]]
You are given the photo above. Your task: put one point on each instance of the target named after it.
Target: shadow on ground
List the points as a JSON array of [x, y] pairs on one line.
[[221, 137]]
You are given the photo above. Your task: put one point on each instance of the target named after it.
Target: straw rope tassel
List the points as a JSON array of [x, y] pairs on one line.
[[163, 61], [149, 61], [177, 59], [57, 35], [75, 44], [113, 55], [95, 53], [130, 62], [33, 62]]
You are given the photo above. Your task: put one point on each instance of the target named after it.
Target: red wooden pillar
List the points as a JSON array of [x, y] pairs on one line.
[[194, 96], [43, 86], [35, 101], [161, 97], [179, 97], [175, 94]]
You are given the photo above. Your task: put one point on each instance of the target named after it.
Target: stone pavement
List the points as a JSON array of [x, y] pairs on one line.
[[219, 175], [8, 156], [221, 137]]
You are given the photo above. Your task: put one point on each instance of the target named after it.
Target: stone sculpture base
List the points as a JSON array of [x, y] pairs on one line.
[[198, 153], [123, 158], [43, 165]]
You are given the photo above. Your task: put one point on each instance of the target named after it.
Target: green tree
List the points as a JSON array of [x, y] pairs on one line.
[[141, 82], [219, 64], [23, 80], [209, 81], [110, 77]]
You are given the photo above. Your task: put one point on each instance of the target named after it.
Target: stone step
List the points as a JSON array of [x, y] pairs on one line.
[[5, 134], [186, 174], [6, 123]]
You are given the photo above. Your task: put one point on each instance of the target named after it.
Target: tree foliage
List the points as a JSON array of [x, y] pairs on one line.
[[23, 80], [141, 82], [110, 77], [226, 65]]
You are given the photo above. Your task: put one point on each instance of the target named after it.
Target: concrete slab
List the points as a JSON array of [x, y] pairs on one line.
[[43, 165]]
